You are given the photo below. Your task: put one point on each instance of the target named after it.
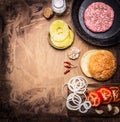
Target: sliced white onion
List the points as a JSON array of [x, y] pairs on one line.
[[83, 97], [70, 106], [87, 104], [81, 91], [75, 102], [77, 83], [83, 108], [72, 85], [75, 98]]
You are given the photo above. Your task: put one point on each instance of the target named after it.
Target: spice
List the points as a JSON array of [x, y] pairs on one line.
[[69, 66], [68, 70], [67, 62]]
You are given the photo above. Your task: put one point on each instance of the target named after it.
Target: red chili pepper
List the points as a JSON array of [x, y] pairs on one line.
[[68, 70], [68, 66], [67, 62]]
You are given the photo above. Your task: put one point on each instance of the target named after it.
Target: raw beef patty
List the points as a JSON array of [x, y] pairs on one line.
[[98, 17]]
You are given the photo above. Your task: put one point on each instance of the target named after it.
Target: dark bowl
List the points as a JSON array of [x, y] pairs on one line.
[[104, 39]]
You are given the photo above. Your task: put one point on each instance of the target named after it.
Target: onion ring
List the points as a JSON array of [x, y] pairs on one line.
[[83, 108], [77, 83], [77, 100], [71, 107]]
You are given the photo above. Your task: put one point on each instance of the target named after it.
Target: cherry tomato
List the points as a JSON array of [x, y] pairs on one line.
[[95, 98], [106, 94], [116, 93]]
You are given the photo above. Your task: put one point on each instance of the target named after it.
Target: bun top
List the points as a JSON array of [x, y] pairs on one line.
[[102, 65]]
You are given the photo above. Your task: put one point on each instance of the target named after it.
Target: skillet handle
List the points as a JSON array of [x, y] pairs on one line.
[[118, 41]]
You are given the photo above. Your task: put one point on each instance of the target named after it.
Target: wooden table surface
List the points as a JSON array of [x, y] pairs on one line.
[[36, 68]]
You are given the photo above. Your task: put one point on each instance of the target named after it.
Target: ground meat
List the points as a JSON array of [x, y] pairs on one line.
[[98, 17]]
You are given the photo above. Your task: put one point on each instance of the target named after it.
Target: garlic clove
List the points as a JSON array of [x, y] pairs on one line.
[[116, 110], [109, 107], [99, 111], [74, 53]]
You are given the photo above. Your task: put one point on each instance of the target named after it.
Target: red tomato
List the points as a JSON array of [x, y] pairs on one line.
[[106, 94], [116, 93], [95, 98]]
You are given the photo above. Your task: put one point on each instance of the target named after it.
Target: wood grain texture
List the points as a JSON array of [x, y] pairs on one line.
[[36, 68]]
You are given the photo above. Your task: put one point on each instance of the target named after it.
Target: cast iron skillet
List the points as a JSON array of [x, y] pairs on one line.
[[108, 38]]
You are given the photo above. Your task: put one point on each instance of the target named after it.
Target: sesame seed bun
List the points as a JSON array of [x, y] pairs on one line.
[[98, 64]]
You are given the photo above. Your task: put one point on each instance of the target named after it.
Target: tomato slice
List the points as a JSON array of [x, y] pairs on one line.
[[106, 94], [95, 98], [116, 93]]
